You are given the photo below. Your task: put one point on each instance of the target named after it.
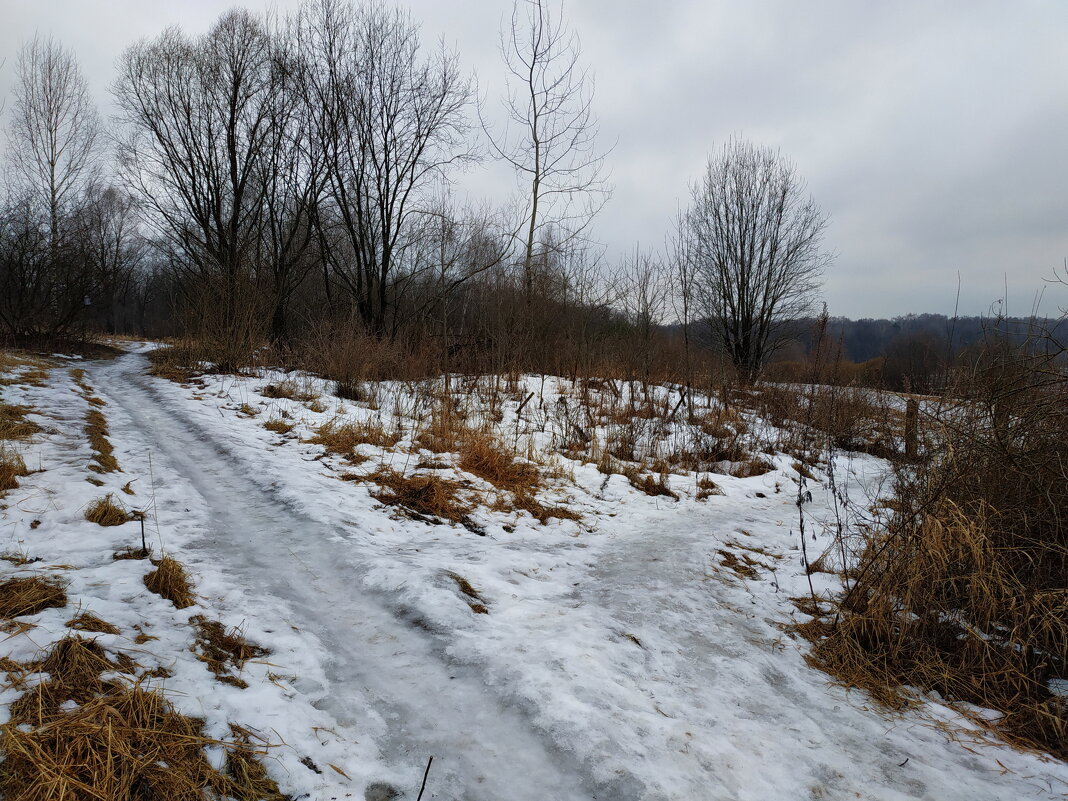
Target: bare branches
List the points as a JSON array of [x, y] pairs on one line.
[[550, 137], [757, 239], [391, 125], [55, 127]]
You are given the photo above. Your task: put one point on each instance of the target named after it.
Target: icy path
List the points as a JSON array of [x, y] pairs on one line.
[[483, 748]]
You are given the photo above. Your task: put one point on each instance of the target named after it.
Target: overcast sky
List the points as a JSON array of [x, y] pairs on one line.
[[934, 134]]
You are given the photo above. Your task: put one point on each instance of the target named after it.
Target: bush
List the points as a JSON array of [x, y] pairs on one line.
[[963, 590]]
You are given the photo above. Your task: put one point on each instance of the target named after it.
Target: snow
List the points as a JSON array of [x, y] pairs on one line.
[[619, 658]]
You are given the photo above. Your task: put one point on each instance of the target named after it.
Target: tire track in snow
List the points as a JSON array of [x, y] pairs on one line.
[[484, 748]]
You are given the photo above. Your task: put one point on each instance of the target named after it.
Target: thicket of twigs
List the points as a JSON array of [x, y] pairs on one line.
[[964, 589]]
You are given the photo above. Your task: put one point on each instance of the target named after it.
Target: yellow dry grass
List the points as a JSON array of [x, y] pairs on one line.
[[96, 429], [120, 742], [425, 495], [343, 438], [13, 422], [87, 621], [278, 425], [472, 597], [30, 595], [12, 467], [108, 511], [169, 580]]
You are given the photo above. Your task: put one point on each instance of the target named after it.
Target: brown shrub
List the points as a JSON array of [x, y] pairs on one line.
[[962, 590], [28, 596], [169, 580]]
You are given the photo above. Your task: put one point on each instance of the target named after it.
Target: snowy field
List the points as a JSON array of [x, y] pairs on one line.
[[616, 656]]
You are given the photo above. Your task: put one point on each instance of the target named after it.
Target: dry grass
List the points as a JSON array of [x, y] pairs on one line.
[[224, 651], [119, 743], [30, 595], [131, 553], [425, 495], [175, 362], [472, 596], [754, 466], [745, 567], [108, 511], [528, 503], [962, 589], [12, 467], [344, 438], [706, 488], [278, 425], [291, 390], [13, 422], [651, 485], [87, 621], [169, 580], [96, 429], [485, 456]]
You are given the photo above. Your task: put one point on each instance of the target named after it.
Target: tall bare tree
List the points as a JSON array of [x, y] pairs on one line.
[[199, 114], [757, 238], [550, 135], [390, 122], [55, 128]]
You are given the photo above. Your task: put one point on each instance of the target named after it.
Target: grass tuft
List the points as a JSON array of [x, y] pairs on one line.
[[343, 438], [223, 650], [107, 511], [169, 580], [12, 466]]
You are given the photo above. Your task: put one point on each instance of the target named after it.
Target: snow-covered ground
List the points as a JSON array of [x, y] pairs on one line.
[[619, 657]]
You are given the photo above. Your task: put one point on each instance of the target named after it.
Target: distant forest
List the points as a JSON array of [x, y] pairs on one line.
[[868, 338]]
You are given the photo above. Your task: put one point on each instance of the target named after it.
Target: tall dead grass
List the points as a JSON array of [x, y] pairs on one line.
[[12, 467], [963, 591]]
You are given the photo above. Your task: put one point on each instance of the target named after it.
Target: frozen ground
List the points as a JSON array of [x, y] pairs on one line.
[[619, 658]]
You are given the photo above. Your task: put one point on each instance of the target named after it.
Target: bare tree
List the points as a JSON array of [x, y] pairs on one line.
[[757, 239], [54, 129], [199, 113], [114, 249], [390, 123], [551, 131], [644, 295]]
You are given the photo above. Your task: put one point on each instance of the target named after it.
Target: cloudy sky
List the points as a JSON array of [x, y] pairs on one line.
[[932, 133]]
